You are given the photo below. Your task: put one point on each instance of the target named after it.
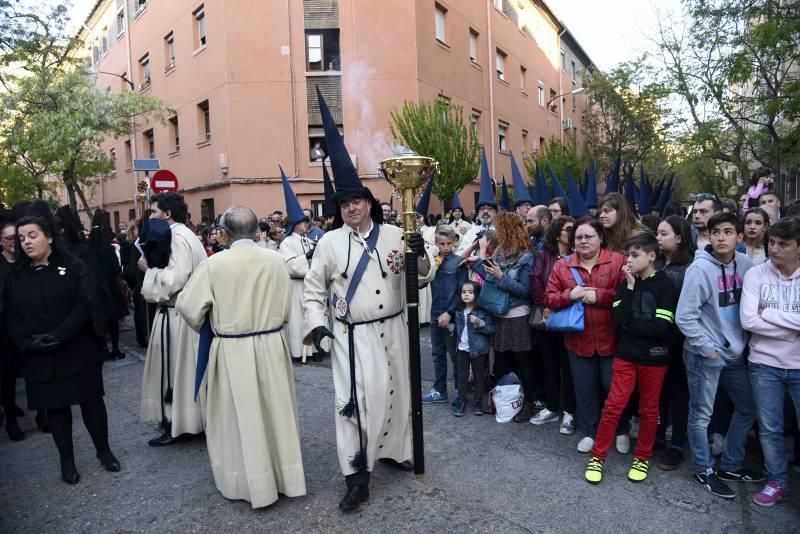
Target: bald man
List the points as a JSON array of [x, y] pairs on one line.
[[538, 220]]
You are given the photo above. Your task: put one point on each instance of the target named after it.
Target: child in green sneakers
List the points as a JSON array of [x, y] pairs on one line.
[[644, 309]]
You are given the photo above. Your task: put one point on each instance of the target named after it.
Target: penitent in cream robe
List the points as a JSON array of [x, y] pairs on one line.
[[293, 249]]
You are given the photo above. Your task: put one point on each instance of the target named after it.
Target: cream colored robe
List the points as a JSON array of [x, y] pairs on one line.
[[293, 249], [469, 237], [252, 432], [381, 348], [461, 228], [429, 235], [162, 286]]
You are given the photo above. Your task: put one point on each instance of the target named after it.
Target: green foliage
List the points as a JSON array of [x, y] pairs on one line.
[[562, 156], [437, 129]]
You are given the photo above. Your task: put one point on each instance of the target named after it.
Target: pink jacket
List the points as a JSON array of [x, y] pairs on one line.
[[775, 339]]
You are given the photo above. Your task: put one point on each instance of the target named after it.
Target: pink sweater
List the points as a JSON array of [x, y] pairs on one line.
[[775, 330]]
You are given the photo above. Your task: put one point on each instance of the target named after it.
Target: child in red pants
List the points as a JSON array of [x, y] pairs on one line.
[[644, 309]]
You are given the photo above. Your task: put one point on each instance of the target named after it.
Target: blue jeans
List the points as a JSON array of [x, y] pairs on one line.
[[769, 386], [442, 344], [705, 376]]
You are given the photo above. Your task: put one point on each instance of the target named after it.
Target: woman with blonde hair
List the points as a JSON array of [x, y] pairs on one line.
[[619, 222]]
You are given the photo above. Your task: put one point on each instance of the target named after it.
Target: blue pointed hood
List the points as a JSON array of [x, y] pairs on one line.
[[577, 207], [543, 195], [486, 196], [629, 188], [656, 193], [329, 208], [612, 182], [521, 194], [294, 213], [644, 194], [558, 190], [590, 198], [425, 198], [666, 194], [505, 201], [456, 202], [345, 175]]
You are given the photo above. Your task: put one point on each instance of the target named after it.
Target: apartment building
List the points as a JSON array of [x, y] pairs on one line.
[[242, 76]]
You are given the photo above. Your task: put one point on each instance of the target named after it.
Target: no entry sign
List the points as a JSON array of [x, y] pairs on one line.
[[164, 180]]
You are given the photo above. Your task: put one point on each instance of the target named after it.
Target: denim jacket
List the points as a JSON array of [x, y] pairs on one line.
[[515, 280], [478, 336], [446, 286]]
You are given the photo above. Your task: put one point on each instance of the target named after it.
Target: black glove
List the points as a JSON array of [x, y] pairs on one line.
[[416, 244], [43, 343], [320, 333]]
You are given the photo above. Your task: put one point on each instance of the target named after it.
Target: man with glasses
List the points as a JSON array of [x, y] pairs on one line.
[[483, 221], [538, 220], [558, 208]]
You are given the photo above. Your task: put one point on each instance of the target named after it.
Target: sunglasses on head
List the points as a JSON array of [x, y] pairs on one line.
[[706, 196]]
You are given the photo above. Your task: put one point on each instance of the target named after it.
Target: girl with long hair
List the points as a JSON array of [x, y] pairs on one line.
[[619, 222]]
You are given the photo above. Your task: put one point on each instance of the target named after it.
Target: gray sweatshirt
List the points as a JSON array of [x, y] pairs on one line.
[[708, 309]]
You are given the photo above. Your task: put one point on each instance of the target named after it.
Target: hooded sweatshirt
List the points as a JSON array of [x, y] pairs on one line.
[[708, 308], [775, 339]]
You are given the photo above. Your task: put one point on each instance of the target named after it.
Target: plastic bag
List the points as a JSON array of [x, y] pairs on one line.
[[508, 398]]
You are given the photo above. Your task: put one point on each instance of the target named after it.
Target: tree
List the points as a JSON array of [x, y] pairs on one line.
[[625, 117], [735, 68], [437, 129], [562, 157]]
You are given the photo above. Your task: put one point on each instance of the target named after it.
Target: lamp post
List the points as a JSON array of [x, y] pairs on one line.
[[92, 72], [560, 126]]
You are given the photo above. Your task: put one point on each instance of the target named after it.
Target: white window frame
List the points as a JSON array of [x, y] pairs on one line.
[[473, 46], [502, 134], [541, 93], [440, 23], [523, 73], [500, 64], [321, 52], [199, 16], [144, 62], [169, 40]]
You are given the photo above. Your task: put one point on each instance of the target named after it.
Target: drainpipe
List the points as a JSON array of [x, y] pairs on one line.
[[492, 71], [560, 90], [292, 89]]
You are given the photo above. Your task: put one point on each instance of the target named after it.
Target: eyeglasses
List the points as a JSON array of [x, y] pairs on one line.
[[585, 237]]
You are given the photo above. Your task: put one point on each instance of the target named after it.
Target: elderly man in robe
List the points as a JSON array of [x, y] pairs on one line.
[[168, 382], [252, 431], [360, 267]]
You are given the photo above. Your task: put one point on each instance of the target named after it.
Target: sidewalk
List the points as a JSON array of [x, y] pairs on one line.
[[481, 477]]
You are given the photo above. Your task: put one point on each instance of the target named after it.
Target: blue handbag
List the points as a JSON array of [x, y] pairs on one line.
[[570, 318], [492, 298]]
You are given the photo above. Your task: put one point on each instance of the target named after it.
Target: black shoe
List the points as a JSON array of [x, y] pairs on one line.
[[117, 355], [659, 445], [166, 439], [714, 485], [18, 412], [15, 433], [671, 460], [741, 475], [69, 474], [41, 421], [353, 498], [109, 461], [401, 466], [142, 343], [316, 357]]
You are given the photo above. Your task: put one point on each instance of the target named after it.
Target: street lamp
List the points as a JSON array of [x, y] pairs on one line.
[[92, 72], [573, 92]]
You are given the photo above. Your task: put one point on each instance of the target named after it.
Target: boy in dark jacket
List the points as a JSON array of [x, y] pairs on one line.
[[644, 309]]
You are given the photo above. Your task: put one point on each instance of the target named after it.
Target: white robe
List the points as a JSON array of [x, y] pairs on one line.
[[429, 235], [252, 431], [381, 347], [293, 249], [162, 286], [461, 227], [469, 237]]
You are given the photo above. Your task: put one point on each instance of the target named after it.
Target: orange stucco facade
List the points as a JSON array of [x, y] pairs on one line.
[[252, 69]]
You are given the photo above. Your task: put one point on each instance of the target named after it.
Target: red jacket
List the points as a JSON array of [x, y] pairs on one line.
[[600, 333]]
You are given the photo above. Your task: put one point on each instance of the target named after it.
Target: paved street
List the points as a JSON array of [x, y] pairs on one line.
[[481, 477]]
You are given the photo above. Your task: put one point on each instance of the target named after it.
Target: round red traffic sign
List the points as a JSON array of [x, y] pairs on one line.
[[164, 180]]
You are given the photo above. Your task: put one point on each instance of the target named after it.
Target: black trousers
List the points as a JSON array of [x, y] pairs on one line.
[[8, 388], [95, 418], [559, 390], [140, 318], [674, 403], [479, 373], [520, 363]]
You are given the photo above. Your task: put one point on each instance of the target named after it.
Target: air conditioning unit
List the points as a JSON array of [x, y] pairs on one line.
[[567, 123]]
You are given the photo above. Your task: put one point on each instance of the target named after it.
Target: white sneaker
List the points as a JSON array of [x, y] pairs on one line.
[[544, 416], [585, 445], [634, 433], [623, 444], [567, 425], [717, 444]]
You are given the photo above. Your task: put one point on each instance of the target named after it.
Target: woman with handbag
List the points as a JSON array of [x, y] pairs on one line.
[[557, 375], [506, 294], [591, 348]]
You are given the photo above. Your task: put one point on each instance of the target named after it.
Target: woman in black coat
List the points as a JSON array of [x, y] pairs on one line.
[[106, 267], [47, 301]]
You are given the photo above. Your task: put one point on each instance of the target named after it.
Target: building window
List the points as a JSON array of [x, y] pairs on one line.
[[572, 70], [552, 101], [523, 72], [322, 50], [203, 122], [144, 67], [498, 4], [525, 148], [563, 65], [207, 214], [541, 144], [500, 64], [132, 214], [140, 5], [440, 23], [96, 54], [112, 155], [200, 27], [104, 41], [473, 45], [116, 221], [120, 18], [317, 149], [150, 143], [169, 51], [317, 207], [128, 155], [502, 130], [174, 134], [541, 93], [475, 119]]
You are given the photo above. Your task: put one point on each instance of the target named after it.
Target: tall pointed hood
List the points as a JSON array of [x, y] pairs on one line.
[[629, 188], [294, 213], [425, 199], [644, 194], [505, 201], [521, 194], [329, 208], [612, 182], [486, 196], [577, 206], [558, 190], [543, 195], [456, 202], [666, 194], [590, 199], [345, 175], [656, 193]]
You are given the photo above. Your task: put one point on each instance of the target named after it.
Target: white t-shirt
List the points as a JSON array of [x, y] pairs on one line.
[[463, 343]]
